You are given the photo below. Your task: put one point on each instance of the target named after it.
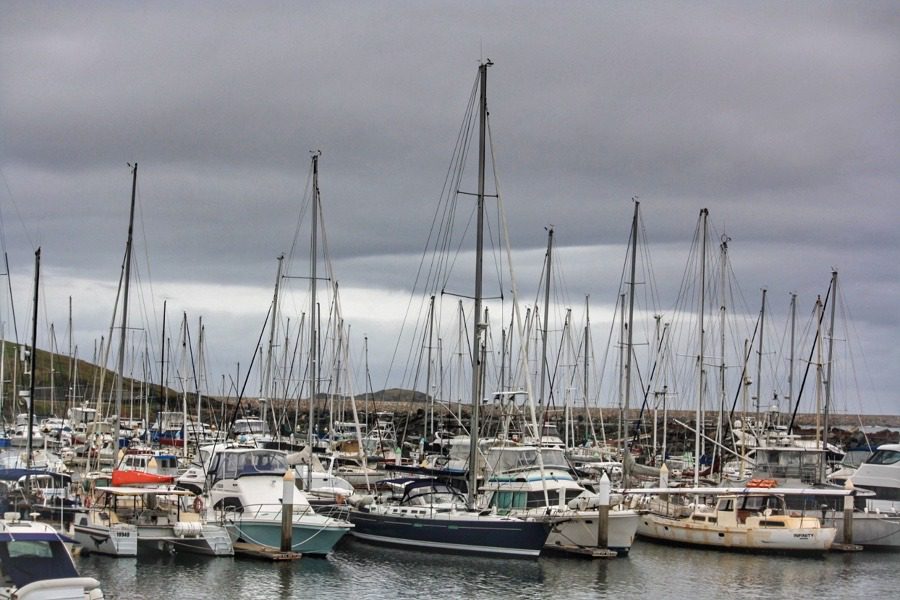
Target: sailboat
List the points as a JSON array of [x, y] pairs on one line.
[[429, 514], [755, 517]]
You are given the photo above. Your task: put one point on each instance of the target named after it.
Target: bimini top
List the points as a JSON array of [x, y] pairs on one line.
[[29, 551]]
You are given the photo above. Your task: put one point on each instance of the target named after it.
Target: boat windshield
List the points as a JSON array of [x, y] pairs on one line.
[[883, 457], [425, 495], [27, 560], [250, 426], [232, 465]]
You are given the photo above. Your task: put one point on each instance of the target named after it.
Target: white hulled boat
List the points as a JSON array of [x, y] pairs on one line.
[[246, 497]]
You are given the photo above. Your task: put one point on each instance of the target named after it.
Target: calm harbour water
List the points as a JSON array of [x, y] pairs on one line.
[[357, 570]]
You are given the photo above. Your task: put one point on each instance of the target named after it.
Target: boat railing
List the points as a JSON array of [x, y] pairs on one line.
[[273, 511]]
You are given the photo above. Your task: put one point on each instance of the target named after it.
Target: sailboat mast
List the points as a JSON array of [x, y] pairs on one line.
[[32, 358], [541, 398], [478, 330], [704, 215], [626, 470], [792, 358], [829, 372], [120, 369], [313, 319], [429, 396], [762, 322]]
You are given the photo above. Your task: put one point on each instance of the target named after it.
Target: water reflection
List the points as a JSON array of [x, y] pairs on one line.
[[359, 570]]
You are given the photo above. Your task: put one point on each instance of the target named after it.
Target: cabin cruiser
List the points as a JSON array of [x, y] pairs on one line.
[[527, 481], [245, 496], [876, 517]]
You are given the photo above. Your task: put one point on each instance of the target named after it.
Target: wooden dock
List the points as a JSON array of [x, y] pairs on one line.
[[263, 552]]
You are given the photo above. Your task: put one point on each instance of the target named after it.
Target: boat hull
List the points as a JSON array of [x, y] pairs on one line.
[[311, 539], [870, 530], [684, 532], [208, 540], [114, 540], [579, 530], [490, 536]]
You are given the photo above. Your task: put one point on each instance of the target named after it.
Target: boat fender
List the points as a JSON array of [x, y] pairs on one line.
[[198, 504]]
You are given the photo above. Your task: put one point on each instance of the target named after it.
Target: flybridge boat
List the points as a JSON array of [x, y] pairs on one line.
[[246, 497], [35, 564], [432, 515], [522, 485], [876, 518]]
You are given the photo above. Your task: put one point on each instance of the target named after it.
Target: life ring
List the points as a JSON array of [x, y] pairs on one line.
[[198, 504]]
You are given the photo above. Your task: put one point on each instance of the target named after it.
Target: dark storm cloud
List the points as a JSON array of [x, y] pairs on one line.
[[780, 118]]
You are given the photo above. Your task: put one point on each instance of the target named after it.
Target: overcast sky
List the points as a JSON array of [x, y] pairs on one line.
[[781, 118]]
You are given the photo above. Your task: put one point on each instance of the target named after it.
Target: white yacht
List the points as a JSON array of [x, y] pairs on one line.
[[524, 481], [245, 496], [876, 518]]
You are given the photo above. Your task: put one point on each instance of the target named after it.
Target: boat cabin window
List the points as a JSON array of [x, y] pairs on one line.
[[25, 561], [506, 501], [18, 549], [233, 465], [884, 457], [726, 504], [571, 494], [431, 494], [242, 427], [167, 462]]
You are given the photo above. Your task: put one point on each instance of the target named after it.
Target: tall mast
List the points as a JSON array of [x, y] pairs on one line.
[[163, 400], [791, 361], [478, 330], [70, 399], [267, 374], [704, 215], [628, 352], [37, 275], [429, 396], [541, 403], [120, 369], [762, 322], [723, 311], [313, 319], [829, 371]]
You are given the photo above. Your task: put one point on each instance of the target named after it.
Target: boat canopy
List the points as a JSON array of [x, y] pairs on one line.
[[241, 463], [29, 556]]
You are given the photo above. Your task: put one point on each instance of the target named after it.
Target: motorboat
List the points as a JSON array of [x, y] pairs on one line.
[[246, 497], [533, 482], [35, 564], [167, 519]]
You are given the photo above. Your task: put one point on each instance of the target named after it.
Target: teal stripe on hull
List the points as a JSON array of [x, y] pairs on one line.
[[306, 540]]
